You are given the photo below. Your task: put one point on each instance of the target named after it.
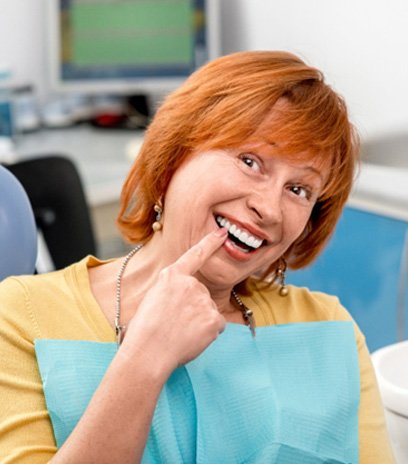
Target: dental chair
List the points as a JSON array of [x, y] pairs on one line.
[[18, 231], [61, 212]]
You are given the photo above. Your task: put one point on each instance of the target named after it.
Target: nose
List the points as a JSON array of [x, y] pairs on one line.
[[266, 205]]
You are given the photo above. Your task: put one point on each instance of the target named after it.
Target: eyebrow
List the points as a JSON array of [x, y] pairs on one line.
[[314, 170], [308, 167], [311, 168]]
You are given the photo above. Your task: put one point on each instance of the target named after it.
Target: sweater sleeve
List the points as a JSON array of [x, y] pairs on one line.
[[26, 434], [374, 444], [373, 441]]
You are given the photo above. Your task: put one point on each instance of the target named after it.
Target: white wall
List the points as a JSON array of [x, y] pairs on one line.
[[22, 40], [361, 45]]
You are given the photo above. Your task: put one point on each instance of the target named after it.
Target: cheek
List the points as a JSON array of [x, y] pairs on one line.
[[295, 224]]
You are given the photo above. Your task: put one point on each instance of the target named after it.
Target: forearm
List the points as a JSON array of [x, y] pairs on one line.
[[174, 323], [115, 426]]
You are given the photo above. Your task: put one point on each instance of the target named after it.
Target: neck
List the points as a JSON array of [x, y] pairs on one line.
[[142, 272], [222, 298], [142, 275]]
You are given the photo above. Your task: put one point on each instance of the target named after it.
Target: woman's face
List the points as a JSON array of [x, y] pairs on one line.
[[264, 199]]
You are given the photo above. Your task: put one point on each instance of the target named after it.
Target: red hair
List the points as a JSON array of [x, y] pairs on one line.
[[221, 106]]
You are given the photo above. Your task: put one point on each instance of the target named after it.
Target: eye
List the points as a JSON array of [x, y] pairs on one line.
[[301, 192], [251, 161]]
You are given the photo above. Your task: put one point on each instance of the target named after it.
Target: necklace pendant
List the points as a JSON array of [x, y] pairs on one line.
[[252, 327], [119, 332], [248, 315]]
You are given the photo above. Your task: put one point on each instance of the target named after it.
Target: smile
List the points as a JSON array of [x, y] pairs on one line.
[[239, 236]]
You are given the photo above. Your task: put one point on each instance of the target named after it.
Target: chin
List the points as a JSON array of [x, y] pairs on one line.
[[218, 274]]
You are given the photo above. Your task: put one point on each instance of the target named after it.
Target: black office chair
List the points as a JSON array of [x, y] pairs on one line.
[[61, 212]]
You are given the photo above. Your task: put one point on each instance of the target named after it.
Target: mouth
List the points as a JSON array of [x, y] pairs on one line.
[[241, 238]]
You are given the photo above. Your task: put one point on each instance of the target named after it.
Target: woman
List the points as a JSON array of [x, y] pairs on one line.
[[245, 170]]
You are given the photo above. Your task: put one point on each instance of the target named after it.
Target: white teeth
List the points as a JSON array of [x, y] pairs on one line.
[[242, 236]]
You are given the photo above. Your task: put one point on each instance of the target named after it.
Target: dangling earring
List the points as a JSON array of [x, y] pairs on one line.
[[158, 208], [280, 273]]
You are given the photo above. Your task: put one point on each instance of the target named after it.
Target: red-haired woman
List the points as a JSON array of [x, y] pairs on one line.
[[192, 348]]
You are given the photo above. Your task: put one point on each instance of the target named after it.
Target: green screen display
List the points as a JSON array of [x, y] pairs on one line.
[[131, 32]]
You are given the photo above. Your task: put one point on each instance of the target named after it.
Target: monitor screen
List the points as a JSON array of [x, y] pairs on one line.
[[129, 46]]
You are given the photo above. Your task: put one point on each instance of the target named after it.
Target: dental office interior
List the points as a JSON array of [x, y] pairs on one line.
[[97, 129]]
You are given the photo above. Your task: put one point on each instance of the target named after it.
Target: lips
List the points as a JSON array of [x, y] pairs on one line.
[[242, 238]]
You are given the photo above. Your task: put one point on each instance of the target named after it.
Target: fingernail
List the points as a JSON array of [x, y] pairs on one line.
[[221, 232]]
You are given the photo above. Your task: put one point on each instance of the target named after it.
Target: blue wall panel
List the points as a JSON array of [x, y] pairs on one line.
[[361, 265]]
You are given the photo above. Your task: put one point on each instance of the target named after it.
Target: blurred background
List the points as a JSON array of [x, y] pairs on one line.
[[360, 44]]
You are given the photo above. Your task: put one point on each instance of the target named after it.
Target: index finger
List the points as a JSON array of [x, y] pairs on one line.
[[194, 258]]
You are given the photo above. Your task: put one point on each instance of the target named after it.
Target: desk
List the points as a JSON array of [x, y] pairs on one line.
[[103, 158]]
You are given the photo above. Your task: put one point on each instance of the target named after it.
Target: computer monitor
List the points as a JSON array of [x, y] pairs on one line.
[[129, 46]]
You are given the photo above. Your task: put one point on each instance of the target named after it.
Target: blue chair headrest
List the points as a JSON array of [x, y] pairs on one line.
[[18, 232]]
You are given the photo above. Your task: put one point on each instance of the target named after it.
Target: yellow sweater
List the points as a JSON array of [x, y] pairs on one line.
[[60, 305]]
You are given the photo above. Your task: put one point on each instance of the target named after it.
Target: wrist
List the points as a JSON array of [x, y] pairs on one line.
[[139, 357]]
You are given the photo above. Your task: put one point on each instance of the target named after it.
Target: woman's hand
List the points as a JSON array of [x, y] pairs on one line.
[[174, 323], [177, 319]]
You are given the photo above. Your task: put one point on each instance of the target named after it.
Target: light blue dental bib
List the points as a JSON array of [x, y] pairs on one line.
[[290, 395]]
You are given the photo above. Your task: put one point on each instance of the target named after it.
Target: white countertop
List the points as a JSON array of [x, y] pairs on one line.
[[102, 156]]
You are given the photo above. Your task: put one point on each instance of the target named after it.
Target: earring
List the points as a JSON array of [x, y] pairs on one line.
[[280, 272], [158, 208]]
